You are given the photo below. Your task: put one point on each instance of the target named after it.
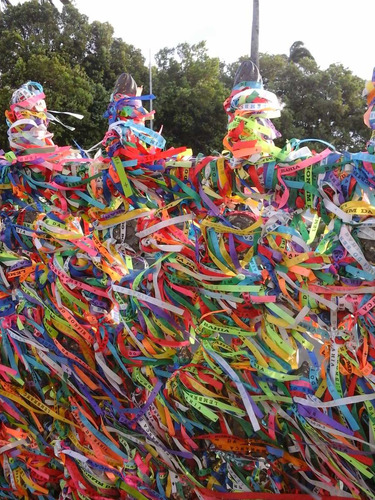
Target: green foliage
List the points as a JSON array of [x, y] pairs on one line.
[[319, 104], [190, 97], [298, 51], [76, 62]]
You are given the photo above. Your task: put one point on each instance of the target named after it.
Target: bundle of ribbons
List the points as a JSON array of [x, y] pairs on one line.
[[179, 327]]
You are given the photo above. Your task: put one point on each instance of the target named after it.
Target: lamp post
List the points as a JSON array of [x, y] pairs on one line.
[[150, 76]]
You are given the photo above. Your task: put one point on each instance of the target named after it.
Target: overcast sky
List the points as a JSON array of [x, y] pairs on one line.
[[335, 31]]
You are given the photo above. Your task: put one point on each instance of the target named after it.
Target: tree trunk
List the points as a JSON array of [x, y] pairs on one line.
[[255, 34]]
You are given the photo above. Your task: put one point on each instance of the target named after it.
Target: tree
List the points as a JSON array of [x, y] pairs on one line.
[[298, 51], [254, 56], [190, 97], [319, 104], [107, 57], [77, 62]]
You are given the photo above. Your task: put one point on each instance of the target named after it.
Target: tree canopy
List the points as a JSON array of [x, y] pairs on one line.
[[320, 104], [78, 62], [298, 51], [317, 104], [190, 97]]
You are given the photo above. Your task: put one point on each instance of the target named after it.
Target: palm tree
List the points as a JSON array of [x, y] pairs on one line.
[[298, 51], [255, 34], [65, 2]]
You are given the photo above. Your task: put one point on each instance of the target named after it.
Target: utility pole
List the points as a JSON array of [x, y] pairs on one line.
[[254, 52]]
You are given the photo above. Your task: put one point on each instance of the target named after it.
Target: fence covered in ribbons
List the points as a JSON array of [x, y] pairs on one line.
[[185, 327]]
